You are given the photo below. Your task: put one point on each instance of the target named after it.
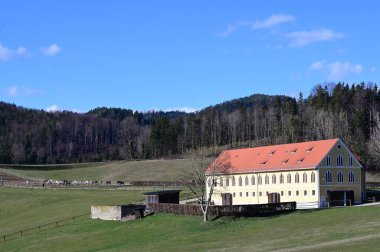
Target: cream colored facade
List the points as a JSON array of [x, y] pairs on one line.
[[311, 190]]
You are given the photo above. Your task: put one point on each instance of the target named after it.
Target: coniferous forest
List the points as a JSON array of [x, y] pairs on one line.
[[347, 111]]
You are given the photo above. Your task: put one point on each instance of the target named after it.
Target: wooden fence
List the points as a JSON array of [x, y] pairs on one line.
[[235, 210], [39, 228]]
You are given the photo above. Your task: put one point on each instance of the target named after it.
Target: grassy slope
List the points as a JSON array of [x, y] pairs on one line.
[[351, 228], [154, 170]]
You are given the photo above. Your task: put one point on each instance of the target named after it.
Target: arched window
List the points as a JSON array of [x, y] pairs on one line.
[[209, 182], [253, 180], [328, 177], [281, 179], [339, 161], [227, 181], [273, 179], [304, 177], [351, 161], [351, 177], [246, 180], [289, 178], [297, 178], [259, 180], [233, 181], [240, 181], [328, 161], [221, 181], [266, 179], [340, 177], [312, 177]]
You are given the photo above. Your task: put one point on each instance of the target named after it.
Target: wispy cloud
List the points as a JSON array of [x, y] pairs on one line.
[[303, 38], [182, 109], [51, 50], [257, 24], [22, 91], [336, 71], [8, 54], [55, 108]]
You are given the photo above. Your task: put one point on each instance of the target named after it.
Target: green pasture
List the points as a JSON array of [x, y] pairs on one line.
[[335, 229], [148, 170]]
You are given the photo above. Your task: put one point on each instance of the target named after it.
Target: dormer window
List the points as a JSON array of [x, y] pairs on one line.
[[285, 161], [264, 162], [272, 152], [309, 149], [293, 151], [300, 160]]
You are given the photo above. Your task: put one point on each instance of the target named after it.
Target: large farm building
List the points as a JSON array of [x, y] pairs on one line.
[[313, 174]]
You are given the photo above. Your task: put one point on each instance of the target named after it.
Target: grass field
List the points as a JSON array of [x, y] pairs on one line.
[[343, 229], [151, 170]]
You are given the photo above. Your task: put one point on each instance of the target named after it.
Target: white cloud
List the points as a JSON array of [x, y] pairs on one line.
[[272, 21], [336, 71], [22, 91], [303, 38], [55, 108], [51, 50], [182, 109], [257, 24], [52, 108], [8, 54], [373, 69]]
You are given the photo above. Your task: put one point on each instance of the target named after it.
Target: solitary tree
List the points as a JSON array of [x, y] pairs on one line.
[[203, 176]]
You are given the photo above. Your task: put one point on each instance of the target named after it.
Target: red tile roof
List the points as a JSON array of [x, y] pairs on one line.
[[305, 155]]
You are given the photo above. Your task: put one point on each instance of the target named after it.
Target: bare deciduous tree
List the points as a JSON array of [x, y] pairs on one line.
[[203, 176]]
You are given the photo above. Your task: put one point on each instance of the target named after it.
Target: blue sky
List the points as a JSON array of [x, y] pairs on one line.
[[145, 55]]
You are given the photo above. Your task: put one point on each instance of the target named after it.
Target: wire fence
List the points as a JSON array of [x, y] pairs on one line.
[[39, 228], [128, 186]]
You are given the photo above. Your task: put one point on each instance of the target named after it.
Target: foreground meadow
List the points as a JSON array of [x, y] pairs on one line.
[[342, 229]]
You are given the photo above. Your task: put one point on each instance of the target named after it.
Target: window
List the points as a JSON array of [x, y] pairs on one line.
[[340, 177], [266, 179], [240, 181], [304, 177], [209, 182], [305, 193], [234, 194], [246, 180], [273, 179], [281, 179], [328, 161], [289, 193], [233, 181], [297, 193], [309, 149], [293, 151], [312, 177], [253, 180], [313, 192], [350, 160], [285, 161], [328, 177], [260, 194], [351, 177], [297, 178], [227, 181], [259, 180], [289, 178], [339, 161], [266, 193], [282, 193], [246, 194], [240, 194], [221, 181], [253, 194]]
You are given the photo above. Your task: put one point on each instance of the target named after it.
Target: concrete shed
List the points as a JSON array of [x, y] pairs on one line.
[[115, 212]]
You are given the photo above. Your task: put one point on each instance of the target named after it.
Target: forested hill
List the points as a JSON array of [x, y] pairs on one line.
[[351, 112]]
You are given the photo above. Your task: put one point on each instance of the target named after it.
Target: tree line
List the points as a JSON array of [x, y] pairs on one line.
[[350, 112]]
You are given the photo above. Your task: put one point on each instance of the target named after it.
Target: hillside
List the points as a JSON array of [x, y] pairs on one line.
[[29, 136], [336, 229]]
